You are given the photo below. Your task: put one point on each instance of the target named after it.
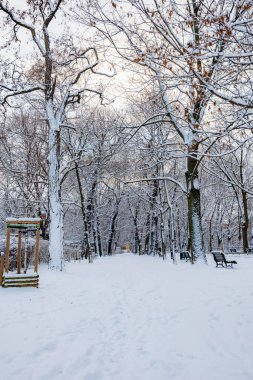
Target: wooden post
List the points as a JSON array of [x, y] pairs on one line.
[[1, 267], [37, 250], [8, 234], [19, 251]]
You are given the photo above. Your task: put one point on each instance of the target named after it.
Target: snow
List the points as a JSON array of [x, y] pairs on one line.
[[11, 220], [130, 318], [14, 275], [196, 183]]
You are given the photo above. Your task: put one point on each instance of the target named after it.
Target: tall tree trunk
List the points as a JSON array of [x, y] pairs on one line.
[[112, 228], [137, 244], [210, 235], [178, 228], [251, 236], [137, 240], [99, 244], [245, 219], [154, 217], [90, 201], [86, 252], [54, 146], [94, 231], [194, 208], [163, 243], [147, 234], [170, 220], [56, 211], [245, 222], [154, 236]]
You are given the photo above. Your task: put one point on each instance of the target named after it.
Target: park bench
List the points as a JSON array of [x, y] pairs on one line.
[[185, 255], [221, 260], [232, 250]]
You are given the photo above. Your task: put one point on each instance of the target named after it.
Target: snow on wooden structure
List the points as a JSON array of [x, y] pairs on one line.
[[18, 279]]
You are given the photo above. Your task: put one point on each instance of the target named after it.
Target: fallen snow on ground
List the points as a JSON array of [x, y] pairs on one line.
[[130, 318]]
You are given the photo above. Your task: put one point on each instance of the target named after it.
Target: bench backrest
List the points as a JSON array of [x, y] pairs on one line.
[[185, 254], [218, 256]]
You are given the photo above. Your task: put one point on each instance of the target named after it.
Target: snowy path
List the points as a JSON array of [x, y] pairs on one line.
[[130, 318]]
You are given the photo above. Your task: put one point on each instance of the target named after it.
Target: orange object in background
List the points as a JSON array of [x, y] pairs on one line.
[[126, 247]]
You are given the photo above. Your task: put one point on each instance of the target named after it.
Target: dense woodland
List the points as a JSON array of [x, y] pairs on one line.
[[129, 122]]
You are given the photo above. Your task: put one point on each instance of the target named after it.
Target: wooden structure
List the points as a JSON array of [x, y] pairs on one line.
[[1, 267], [20, 279]]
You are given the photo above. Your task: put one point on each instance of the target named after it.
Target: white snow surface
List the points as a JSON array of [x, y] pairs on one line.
[[130, 318], [8, 220]]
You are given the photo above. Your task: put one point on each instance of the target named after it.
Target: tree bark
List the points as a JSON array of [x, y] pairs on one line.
[[56, 211], [194, 205], [112, 228], [245, 223], [86, 252]]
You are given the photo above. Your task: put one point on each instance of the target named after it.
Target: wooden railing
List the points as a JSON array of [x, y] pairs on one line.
[[1, 267]]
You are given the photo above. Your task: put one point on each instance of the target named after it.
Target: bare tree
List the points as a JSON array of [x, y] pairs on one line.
[[60, 75]]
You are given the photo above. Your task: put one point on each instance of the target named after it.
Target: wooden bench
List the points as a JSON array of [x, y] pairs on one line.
[[11, 280], [221, 260]]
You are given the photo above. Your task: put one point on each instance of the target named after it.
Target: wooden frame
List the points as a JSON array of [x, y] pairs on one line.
[[1, 267], [19, 251], [22, 223]]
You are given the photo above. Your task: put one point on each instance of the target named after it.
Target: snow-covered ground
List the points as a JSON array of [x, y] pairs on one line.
[[130, 318]]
